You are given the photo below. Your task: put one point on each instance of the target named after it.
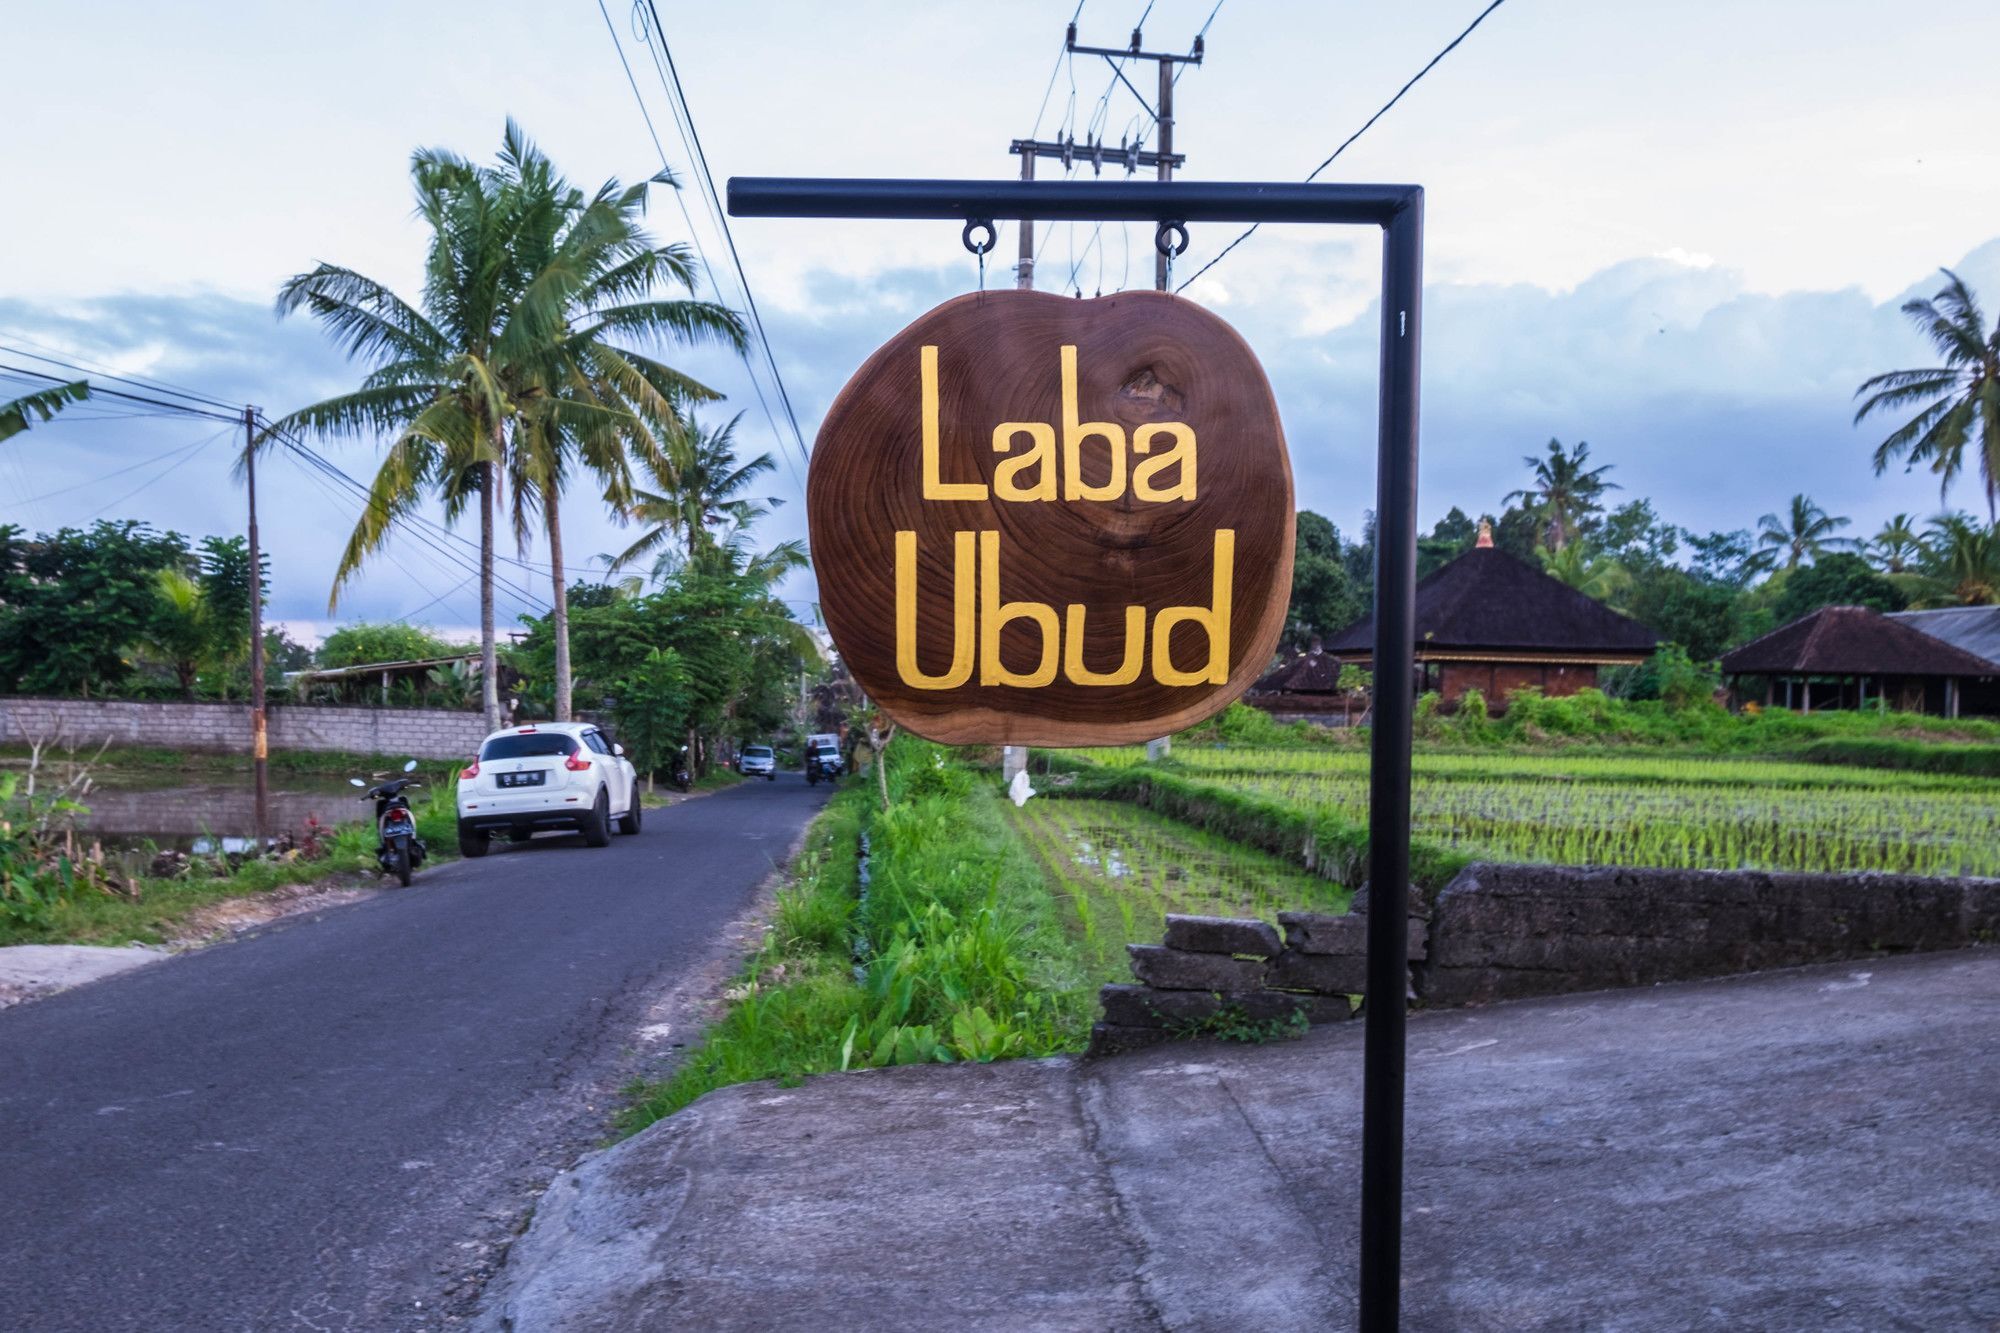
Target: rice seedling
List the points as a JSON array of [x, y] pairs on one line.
[[1122, 869]]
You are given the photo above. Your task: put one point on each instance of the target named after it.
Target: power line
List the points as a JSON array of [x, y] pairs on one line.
[[1349, 140], [84, 366], [99, 391], [185, 455], [684, 119]]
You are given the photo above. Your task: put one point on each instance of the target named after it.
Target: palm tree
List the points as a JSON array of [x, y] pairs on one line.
[[1598, 577], [524, 280], [1963, 565], [697, 489], [1564, 493], [1964, 393], [1801, 535], [1897, 544], [44, 403]]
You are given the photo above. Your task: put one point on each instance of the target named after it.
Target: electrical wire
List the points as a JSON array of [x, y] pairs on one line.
[[99, 391], [1349, 140], [186, 454], [86, 368], [684, 118]]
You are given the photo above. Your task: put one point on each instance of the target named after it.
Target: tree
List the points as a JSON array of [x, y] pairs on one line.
[[1963, 407], [1961, 564], [652, 710], [1323, 596], [43, 403], [364, 643], [524, 282], [1564, 493], [1704, 615], [73, 602], [179, 631], [697, 491], [1722, 557], [1839, 578], [1451, 538], [1590, 573], [1798, 536], [1897, 544]]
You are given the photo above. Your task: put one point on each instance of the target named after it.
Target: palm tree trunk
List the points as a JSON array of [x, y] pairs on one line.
[[559, 617], [489, 657]]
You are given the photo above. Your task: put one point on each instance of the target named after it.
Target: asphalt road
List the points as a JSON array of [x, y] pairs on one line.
[[311, 1128]]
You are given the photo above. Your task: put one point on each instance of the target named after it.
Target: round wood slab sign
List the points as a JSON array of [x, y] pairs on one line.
[[1045, 521]]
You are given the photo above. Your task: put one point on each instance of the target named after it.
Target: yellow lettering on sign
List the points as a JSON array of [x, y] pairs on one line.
[[1144, 476], [962, 633], [1041, 456], [935, 489], [995, 615], [1076, 432], [1213, 618], [1135, 649]]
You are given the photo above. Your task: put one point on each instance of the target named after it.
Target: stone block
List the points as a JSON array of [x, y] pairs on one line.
[[1170, 969], [1327, 974], [1344, 936], [1221, 934], [1180, 1010]]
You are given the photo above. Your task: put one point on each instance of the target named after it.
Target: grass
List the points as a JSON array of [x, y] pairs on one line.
[[1121, 869], [954, 950], [1583, 808], [152, 759], [152, 908]]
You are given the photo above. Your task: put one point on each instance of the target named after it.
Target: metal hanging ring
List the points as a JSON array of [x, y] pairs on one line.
[[1167, 229], [980, 247]]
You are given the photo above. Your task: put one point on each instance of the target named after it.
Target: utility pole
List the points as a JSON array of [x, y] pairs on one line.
[[259, 744], [1163, 114], [1070, 153]]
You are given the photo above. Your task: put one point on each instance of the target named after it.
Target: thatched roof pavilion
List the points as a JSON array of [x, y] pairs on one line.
[[1842, 656], [1490, 622]]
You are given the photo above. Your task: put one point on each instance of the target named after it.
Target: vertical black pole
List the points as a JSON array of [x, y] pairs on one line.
[[1389, 772]]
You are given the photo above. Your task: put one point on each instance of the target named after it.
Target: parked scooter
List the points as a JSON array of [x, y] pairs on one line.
[[682, 778], [399, 850]]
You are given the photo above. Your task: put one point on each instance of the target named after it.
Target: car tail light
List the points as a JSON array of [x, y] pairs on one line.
[[576, 763], [468, 774]]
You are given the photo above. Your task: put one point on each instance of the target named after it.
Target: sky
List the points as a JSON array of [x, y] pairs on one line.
[[1680, 232]]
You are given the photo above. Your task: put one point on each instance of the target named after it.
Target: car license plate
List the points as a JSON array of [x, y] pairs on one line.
[[531, 778]]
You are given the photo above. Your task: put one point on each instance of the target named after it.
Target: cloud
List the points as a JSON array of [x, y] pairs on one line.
[[1716, 401]]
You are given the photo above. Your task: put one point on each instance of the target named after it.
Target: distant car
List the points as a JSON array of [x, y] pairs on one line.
[[823, 759], [759, 762], [549, 775]]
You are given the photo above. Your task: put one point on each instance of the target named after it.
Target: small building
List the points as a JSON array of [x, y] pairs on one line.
[[1976, 629], [1848, 656], [1305, 687], [1492, 623]]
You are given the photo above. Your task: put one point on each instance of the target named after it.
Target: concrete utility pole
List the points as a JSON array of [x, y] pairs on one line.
[[259, 744]]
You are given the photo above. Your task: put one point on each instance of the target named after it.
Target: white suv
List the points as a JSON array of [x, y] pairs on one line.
[[759, 762], [549, 775]]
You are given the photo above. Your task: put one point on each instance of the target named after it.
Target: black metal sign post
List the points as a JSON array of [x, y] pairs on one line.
[[1399, 211]]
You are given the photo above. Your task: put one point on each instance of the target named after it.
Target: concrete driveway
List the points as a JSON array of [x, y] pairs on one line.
[[1810, 1149]]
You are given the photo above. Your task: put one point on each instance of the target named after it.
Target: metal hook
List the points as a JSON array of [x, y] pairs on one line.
[[976, 224], [1171, 228]]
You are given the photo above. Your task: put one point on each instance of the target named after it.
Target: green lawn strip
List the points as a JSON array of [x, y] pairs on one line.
[[153, 909], [1121, 869], [1882, 752], [963, 953]]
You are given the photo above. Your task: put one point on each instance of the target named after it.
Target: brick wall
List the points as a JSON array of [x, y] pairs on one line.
[[422, 733]]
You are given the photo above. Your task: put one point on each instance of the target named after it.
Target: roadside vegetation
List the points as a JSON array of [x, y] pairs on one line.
[[60, 886], [1121, 869]]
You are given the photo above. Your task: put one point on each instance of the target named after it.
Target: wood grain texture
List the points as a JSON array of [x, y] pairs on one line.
[[1142, 358]]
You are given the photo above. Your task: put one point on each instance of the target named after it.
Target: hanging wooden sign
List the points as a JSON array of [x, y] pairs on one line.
[[1044, 521]]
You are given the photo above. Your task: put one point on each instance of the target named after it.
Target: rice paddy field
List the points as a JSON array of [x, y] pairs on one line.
[[1120, 870], [1682, 812]]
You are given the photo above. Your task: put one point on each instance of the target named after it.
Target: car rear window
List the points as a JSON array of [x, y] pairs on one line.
[[528, 745], [756, 752]]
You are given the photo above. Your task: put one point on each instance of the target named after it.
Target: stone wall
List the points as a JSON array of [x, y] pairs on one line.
[[421, 733], [1502, 932], [1213, 972]]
